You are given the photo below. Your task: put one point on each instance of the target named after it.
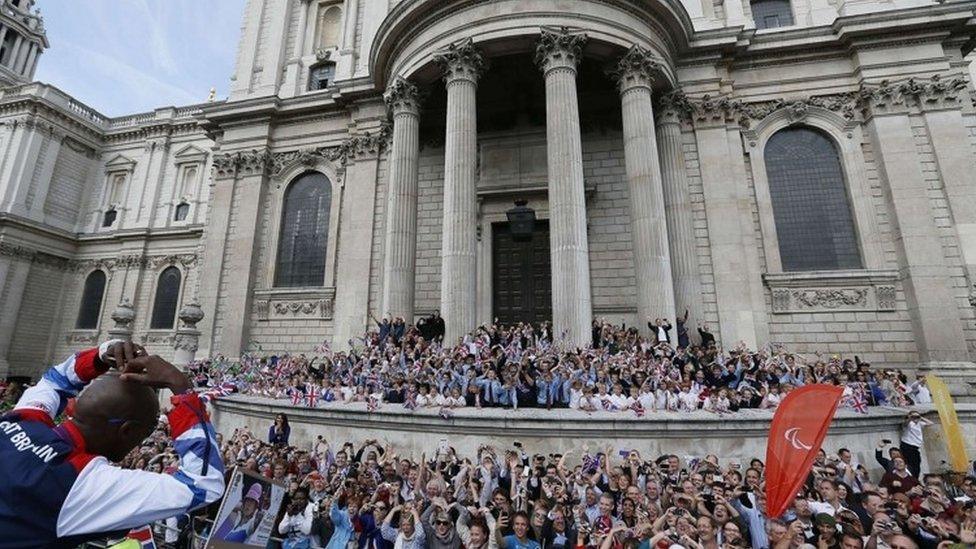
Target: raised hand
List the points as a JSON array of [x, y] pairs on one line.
[[155, 372]]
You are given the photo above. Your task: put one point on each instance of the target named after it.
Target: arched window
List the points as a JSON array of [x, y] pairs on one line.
[[769, 14], [327, 25], [182, 210], [91, 301], [321, 76], [167, 295], [304, 232], [811, 209], [109, 218]]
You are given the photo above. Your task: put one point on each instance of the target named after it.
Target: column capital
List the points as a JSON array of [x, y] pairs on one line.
[[559, 47], [636, 69], [461, 61], [403, 97], [672, 107]]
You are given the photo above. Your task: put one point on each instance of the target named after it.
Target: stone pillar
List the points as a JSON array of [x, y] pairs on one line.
[[558, 54], [123, 316], [731, 237], [15, 266], [677, 208], [242, 241], [924, 274], [462, 65], [652, 258], [213, 241], [187, 338], [356, 229], [400, 255]]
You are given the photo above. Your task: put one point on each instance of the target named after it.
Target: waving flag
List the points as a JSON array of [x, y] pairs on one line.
[[798, 428], [312, 398], [371, 403], [296, 396], [638, 409], [955, 444]]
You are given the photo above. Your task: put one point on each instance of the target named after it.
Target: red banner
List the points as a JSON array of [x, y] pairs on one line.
[[799, 427]]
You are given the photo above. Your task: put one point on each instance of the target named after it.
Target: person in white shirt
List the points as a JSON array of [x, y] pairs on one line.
[[618, 399], [687, 398], [831, 498], [589, 402], [296, 524], [919, 391], [911, 441]]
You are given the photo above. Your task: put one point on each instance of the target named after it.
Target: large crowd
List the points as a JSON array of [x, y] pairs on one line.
[[525, 366], [369, 496]]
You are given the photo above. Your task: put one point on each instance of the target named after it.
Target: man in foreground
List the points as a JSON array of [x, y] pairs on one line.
[[58, 487]]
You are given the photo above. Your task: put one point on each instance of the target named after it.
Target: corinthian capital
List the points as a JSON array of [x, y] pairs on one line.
[[403, 97], [461, 61], [559, 48], [636, 69]]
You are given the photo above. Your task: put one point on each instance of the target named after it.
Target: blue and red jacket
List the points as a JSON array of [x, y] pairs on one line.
[[54, 493]]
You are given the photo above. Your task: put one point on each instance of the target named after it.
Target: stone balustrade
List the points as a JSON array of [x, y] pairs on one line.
[[739, 436]]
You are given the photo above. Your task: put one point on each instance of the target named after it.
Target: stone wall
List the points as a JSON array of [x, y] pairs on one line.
[[31, 349], [684, 434]]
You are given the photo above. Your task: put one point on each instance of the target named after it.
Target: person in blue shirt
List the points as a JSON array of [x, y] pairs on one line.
[[519, 539]]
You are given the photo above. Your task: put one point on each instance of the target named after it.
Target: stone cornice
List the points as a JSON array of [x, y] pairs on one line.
[[111, 263], [911, 94], [358, 146], [461, 61]]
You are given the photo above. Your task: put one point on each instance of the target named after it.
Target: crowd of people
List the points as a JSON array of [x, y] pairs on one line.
[[369, 496], [525, 366]]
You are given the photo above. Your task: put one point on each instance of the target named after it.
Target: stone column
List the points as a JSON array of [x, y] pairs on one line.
[[677, 207], [462, 65], [187, 338], [652, 258], [400, 255], [558, 54], [213, 242]]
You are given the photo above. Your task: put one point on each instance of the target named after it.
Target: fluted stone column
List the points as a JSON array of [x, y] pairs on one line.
[[677, 207], [558, 54], [652, 258], [400, 258], [462, 65]]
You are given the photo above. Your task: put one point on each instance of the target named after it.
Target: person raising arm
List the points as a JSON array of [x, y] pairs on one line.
[[64, 474]]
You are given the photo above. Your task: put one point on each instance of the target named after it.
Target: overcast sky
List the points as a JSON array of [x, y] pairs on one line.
[[128, 56]]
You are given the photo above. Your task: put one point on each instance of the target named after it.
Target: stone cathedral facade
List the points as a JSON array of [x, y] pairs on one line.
[[791, 172]]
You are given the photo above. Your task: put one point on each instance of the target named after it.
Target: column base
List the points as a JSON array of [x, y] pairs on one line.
[[960, 377]]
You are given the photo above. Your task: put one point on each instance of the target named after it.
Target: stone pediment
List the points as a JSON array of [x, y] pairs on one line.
[[120, 163], [190, 154]]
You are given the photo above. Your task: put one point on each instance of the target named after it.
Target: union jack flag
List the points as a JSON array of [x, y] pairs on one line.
[[410, 402], [638, 409], [296, 396], [858, 402], [607, 405], [311, 397], [372, 403]]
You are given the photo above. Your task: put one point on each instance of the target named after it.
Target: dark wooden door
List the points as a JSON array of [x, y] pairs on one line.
[[522, 275]]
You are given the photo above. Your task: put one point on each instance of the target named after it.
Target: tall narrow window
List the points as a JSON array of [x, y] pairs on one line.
[[182, 210], [91, 301], [769, 14], [327, 26], [117, 189], [812, 212], [7, 48], [167, 295], [321, 76], [304, 232], [109, 218], [189, 179]]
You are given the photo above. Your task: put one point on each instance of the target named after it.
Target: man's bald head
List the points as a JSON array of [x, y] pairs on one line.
[[115, 415]]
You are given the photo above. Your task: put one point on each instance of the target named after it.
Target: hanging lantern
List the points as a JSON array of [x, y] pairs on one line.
[[521, 221]]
